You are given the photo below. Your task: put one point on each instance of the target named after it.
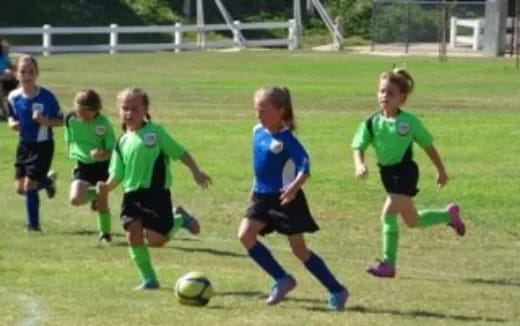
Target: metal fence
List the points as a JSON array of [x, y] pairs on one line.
[[430, 27]]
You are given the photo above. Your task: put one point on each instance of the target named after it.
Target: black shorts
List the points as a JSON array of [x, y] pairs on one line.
[[34, 160], [400, 178], [91, 173], [152, 206], [292, 218]]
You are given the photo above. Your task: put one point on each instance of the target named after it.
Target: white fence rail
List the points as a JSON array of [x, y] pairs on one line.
[[113, 46], [477, 31]]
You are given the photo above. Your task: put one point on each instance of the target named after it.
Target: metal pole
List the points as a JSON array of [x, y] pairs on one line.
[[201, 36], [373, 32], [441, 34], [517, 33], [406, 40], [297, 16]]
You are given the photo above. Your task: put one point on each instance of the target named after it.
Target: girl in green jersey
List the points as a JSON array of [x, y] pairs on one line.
[[392, 132], [140, 163]]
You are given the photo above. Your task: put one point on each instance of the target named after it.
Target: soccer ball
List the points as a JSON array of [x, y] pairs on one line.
[[193, 289]]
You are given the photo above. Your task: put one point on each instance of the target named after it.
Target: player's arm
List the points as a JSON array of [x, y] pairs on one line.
[[289, 193], [301, 161], [201, 178], [433, 154], [47, 121], [360, 168], [13, 123]]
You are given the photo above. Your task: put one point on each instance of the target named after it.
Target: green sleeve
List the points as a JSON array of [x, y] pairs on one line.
[[169, 145], [421, 135], [362, 138], [117, 166], [110, 139]]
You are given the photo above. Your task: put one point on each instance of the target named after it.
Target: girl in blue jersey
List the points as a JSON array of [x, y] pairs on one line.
[[281, 167], [33, 111]]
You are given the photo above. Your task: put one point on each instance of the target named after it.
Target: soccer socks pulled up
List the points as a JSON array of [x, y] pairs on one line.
[[32, 205], [263, 257], [178, 222], [429, 217], [140, 255], [104, 222], [390, 238], [317, 267]]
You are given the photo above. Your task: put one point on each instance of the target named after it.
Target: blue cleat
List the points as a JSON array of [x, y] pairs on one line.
[[147, 285], [338, 300], [280, 289]]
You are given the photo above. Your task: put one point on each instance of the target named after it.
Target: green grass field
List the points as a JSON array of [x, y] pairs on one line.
[[64, 278]]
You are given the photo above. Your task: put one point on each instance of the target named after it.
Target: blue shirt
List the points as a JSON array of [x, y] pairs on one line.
[[21, 108], [5, 63], [277, 159]]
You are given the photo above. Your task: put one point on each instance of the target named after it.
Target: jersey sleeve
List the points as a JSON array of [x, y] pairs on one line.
[[11, 111], [53, 109], [421, 135], [362, 138], [298, 154], [110, 138], [117, 165], [169, 146]]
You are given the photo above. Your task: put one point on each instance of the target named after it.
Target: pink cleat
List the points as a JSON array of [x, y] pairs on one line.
[[381, 269], [456, 221], [280, 289]]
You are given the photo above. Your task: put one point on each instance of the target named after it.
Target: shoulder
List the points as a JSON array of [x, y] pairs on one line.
[[258, 127], [16, 93], [71, 116]]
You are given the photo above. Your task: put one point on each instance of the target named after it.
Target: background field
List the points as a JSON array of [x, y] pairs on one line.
[[63, 277]]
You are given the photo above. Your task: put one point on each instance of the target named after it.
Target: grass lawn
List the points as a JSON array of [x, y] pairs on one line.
[[63, 277]]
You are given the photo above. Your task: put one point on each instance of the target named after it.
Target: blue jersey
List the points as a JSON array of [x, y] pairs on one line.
[[277, 159], [21, 108]]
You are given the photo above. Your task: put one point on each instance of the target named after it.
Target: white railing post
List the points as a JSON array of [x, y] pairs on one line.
[[293, 35], [338, 30], [476, 35], [453, 31], [178, 37], [47, 39], [113, 38], [236, 35]]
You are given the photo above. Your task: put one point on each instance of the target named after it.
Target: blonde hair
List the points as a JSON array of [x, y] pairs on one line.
[[26, 58], [280, 97], [401, 78], [134, 91], [88, 99]]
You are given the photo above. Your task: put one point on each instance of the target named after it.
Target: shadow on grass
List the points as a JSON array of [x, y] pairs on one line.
[[415, 314], [210, 251], [503, 282], [262, 295]]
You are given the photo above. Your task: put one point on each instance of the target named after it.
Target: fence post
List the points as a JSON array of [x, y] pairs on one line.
[[47, 39], [453, 31], [338, 30], [236, 35], [476, 35], [293, 35], [178, 37], [113, 38]]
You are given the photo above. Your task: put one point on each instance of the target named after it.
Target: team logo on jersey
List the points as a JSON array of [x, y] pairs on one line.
[[403, 128], [100, 130], [37, 107], [276, 146], [150, 139]]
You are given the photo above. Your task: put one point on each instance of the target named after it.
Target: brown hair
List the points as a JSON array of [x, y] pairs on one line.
[[135, 91], [88, 99], [26, 58], [401, 78], [280, 97]]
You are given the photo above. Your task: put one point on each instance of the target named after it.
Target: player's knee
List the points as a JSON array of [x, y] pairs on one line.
[[75, 201], [20, 191], [301, 253], [246, 238]]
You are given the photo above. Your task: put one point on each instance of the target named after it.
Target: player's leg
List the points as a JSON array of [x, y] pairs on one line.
[[338, 294], [140, 254], [32, 204], [80, 193]]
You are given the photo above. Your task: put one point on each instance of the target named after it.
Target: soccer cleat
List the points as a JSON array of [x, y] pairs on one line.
[[147, 285], [338, 300], [456, 221], [105, 238], [51, 189], [381, 269], [190, 223], [280, 289]]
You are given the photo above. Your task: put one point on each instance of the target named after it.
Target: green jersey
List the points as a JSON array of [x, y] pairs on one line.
[[84, 136], [141, 159], [392, 138]]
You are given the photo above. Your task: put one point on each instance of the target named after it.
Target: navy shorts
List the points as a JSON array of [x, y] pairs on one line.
[[292, 218], [91, 173], [34, 160], [400, 178], [152, 206]]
